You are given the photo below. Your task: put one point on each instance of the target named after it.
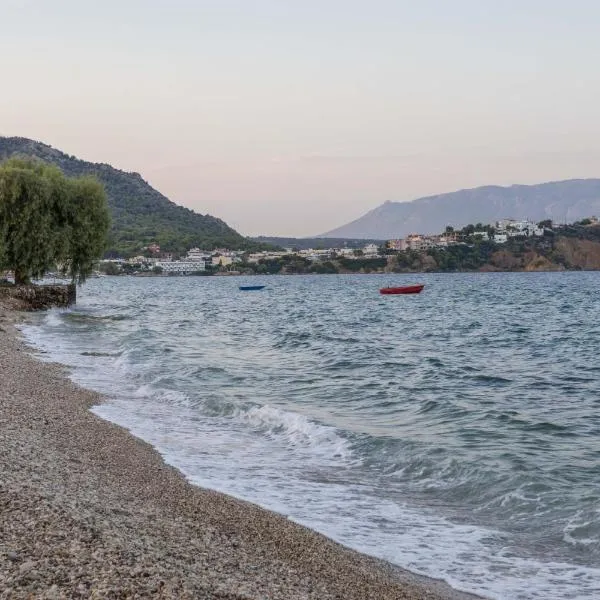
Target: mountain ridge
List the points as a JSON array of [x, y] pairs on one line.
[[562, 201], [140, 214]]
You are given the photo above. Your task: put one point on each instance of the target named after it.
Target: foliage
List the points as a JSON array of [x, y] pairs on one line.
[[88, 222], [462, 257], [140, 214], [581, 230], [110, 268], [365, 265], [47, 220]]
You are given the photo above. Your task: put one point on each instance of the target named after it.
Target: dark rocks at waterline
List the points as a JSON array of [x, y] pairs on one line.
[[38, 297]]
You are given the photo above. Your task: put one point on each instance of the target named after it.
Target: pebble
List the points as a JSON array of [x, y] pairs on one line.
[[95, 513]]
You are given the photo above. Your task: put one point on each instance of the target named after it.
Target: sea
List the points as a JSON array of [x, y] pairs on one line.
[[455, 433]]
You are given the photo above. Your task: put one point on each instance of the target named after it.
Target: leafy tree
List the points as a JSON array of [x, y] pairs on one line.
[[87, 225], [48, 220], [110, 268], [140, 214]]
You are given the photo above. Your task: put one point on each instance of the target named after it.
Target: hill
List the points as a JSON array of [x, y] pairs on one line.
[[316, 243], [560, 201], [140, 214]]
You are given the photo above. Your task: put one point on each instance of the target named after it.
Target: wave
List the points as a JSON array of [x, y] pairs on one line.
[[397, 438]]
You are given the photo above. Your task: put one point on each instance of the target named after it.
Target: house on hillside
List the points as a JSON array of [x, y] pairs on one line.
[[371, 251]]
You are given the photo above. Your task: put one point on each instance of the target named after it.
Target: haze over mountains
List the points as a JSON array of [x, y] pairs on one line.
[[142, 215], [561, 201]]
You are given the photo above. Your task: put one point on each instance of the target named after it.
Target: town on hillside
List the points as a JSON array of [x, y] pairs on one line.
[[390, 255]]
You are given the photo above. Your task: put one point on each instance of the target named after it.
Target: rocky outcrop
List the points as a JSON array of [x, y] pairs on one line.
[[37, 297], [579, 254]]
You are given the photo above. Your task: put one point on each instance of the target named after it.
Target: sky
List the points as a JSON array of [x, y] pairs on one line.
[[293, 117]]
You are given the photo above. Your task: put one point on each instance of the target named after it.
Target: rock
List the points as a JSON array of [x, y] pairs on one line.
[[39, 297], [26, 566]]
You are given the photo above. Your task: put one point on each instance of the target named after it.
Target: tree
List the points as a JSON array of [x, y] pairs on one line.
[[110, 268], [48, 220]]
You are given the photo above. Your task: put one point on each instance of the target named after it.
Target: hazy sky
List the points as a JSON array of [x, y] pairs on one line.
[[293, 117]]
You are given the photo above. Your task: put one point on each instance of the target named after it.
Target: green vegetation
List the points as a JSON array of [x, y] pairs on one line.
[[294, 264], [462, 257], [48, 220], [583, 230], [548, 252], [140, 214]]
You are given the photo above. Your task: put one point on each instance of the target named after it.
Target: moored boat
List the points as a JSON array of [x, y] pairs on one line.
[[405, 289]]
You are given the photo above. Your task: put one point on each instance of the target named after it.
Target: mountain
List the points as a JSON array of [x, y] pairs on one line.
[[561, 201], [316, 243], [140, 214]]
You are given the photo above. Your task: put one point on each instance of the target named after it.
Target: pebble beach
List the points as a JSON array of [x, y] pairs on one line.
[[89, 511]]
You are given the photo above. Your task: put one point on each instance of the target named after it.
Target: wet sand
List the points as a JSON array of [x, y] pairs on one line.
[[89, 511]]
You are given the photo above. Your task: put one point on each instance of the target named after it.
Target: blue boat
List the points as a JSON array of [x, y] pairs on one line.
[[251, 288]]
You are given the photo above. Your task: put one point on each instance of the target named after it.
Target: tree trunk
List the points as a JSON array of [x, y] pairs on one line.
[[21, 277]]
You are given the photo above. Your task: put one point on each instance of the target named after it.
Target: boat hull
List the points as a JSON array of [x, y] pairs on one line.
[[405, 289], [251, 288]]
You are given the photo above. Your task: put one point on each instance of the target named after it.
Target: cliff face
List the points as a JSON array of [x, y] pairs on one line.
[[579, 254], [567, 254], [503, 260], [554, 254]]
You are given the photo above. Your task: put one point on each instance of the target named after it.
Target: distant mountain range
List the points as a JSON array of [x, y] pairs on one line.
[[316, 243], [140, 214], [561, 201]]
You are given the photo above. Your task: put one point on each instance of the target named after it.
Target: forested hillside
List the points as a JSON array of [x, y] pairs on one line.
[[140, 214]]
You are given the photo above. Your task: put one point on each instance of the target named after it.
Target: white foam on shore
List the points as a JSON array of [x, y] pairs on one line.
[[295, 466]]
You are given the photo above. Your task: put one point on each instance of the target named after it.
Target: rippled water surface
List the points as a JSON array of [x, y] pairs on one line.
[[455, 433]]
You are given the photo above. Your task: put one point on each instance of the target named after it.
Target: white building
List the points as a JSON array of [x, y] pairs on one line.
[[514, 228], [371, 251], [196, 255], [181, 267]]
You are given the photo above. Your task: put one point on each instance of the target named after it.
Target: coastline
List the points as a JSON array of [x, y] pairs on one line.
[[89, 510]]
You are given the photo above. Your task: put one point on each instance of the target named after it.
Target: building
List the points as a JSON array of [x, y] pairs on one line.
[[371, 251], [399, 244], [514, 228], [181, 267], [221, 261], [196, 255]]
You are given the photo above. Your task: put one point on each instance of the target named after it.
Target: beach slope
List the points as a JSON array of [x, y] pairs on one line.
[[89, 511]]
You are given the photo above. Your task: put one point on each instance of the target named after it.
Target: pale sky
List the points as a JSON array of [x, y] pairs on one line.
[[292, 117]]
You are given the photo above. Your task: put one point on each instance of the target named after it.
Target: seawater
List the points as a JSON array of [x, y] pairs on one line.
[[455, 433]]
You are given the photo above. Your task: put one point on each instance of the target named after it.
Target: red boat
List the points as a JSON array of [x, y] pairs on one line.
[[405, 289]]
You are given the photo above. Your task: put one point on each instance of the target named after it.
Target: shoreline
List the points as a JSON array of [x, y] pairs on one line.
[[90, 510]]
